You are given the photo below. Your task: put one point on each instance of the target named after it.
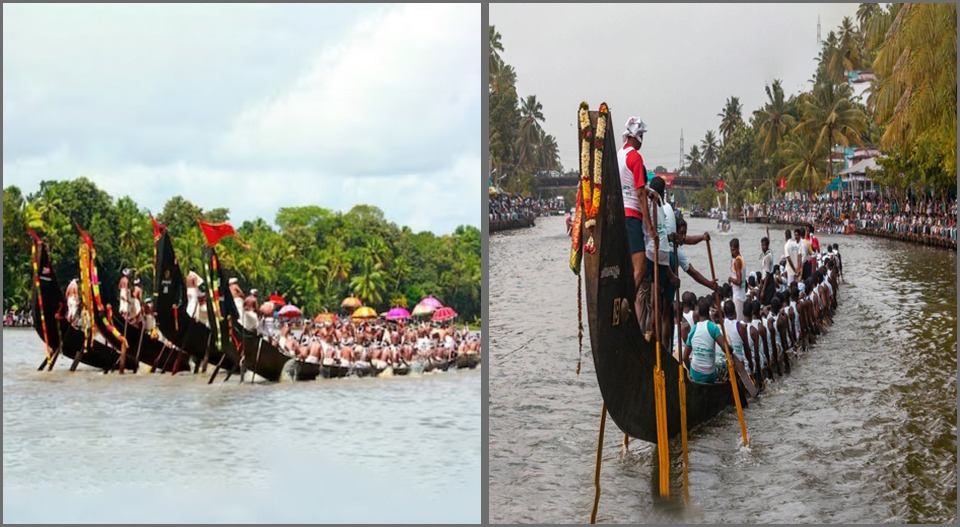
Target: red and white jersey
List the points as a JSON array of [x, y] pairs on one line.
[[633, 176]]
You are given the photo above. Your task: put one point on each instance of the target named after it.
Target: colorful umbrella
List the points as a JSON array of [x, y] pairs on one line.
[[290, 311], [398, 313], [432, 302], [277, 300], [422, 310], [328, 318], [351, 302], [444, 313], [364, 312]]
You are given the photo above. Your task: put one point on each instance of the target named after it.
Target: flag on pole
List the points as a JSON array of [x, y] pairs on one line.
[[720, 185], [157, 227], [85, 236], [215, 231]]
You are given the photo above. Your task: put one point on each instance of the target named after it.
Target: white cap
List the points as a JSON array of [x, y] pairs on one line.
[[233, 280]]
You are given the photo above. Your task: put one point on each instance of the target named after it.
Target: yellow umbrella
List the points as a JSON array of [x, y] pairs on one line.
[[364, 312], [351, 302]]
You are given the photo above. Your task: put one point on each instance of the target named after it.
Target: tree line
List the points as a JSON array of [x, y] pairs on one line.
[[519, 148], [909, 113], [314, 258]]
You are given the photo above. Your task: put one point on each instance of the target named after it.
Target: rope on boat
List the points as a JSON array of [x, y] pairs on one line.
[[579, 322], [596, 476]]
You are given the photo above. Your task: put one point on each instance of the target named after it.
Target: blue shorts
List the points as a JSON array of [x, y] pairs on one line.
[[635, 235]]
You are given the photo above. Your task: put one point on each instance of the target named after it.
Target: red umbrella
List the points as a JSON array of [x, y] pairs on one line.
[[444, 313], [277, 300]]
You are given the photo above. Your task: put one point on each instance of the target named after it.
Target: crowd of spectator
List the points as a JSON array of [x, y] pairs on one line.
[[511, 212], [927, 220], [18, 318]]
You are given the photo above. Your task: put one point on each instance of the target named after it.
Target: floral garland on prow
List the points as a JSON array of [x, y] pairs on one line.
[[592, 192]]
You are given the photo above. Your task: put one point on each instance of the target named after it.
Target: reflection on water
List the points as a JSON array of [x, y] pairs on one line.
[[88, 447], [864, 430]]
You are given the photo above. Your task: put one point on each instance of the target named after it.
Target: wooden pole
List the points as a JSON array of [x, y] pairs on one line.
[[726, 350], [682, 385], [659, 382], [596, 475]]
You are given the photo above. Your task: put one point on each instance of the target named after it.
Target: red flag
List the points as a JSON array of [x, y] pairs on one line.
[[783, 183], [720, 185], [86, 238], [215, 231], [157, 227]]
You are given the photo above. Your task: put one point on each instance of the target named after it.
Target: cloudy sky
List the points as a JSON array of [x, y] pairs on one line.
[[672, 65], [251, 107]]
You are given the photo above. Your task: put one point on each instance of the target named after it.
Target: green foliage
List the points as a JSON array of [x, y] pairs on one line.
[[315, 258], [519, 148]]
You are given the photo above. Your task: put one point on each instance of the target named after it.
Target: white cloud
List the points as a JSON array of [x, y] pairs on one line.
[[398, 94], [251, 107]]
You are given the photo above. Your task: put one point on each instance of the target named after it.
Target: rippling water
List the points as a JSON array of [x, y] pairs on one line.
[[88, 447], [864, 430]]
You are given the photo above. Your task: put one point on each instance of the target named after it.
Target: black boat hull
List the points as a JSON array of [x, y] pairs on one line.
[[171, 309], [624, 361], [99, 355]]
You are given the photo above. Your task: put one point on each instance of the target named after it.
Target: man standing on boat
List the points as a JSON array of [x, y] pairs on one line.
[[633, 180], [738, 279], [124, 287]]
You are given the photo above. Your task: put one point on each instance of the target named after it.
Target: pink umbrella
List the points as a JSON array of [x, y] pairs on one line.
[[290, 311], [432, 302], [444, 313], [398, 313]]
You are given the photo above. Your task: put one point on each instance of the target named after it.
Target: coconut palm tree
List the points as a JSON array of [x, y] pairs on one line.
[[493, 38], [915, 93], [709, 148], [694, 165], [548, 155], [848, 44], [804, 168], [531, 115], [730, 117], [774, 119], [830, 116]]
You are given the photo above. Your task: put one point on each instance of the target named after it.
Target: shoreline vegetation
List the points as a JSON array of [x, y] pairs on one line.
[[789, 145], [313, 256]]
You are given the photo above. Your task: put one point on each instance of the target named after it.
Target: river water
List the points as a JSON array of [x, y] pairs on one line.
[[863, 430], [92, 448]]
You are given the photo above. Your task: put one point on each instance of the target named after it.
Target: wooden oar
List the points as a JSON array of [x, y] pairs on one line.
[[217, 369], [256, 361], [726, 350], [681, 385], [123, 346], [136, 365]]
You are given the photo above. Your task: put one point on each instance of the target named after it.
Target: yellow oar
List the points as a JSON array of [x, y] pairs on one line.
[[726, 350]]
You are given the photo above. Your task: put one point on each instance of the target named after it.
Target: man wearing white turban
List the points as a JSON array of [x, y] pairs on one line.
[[633, 177]]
